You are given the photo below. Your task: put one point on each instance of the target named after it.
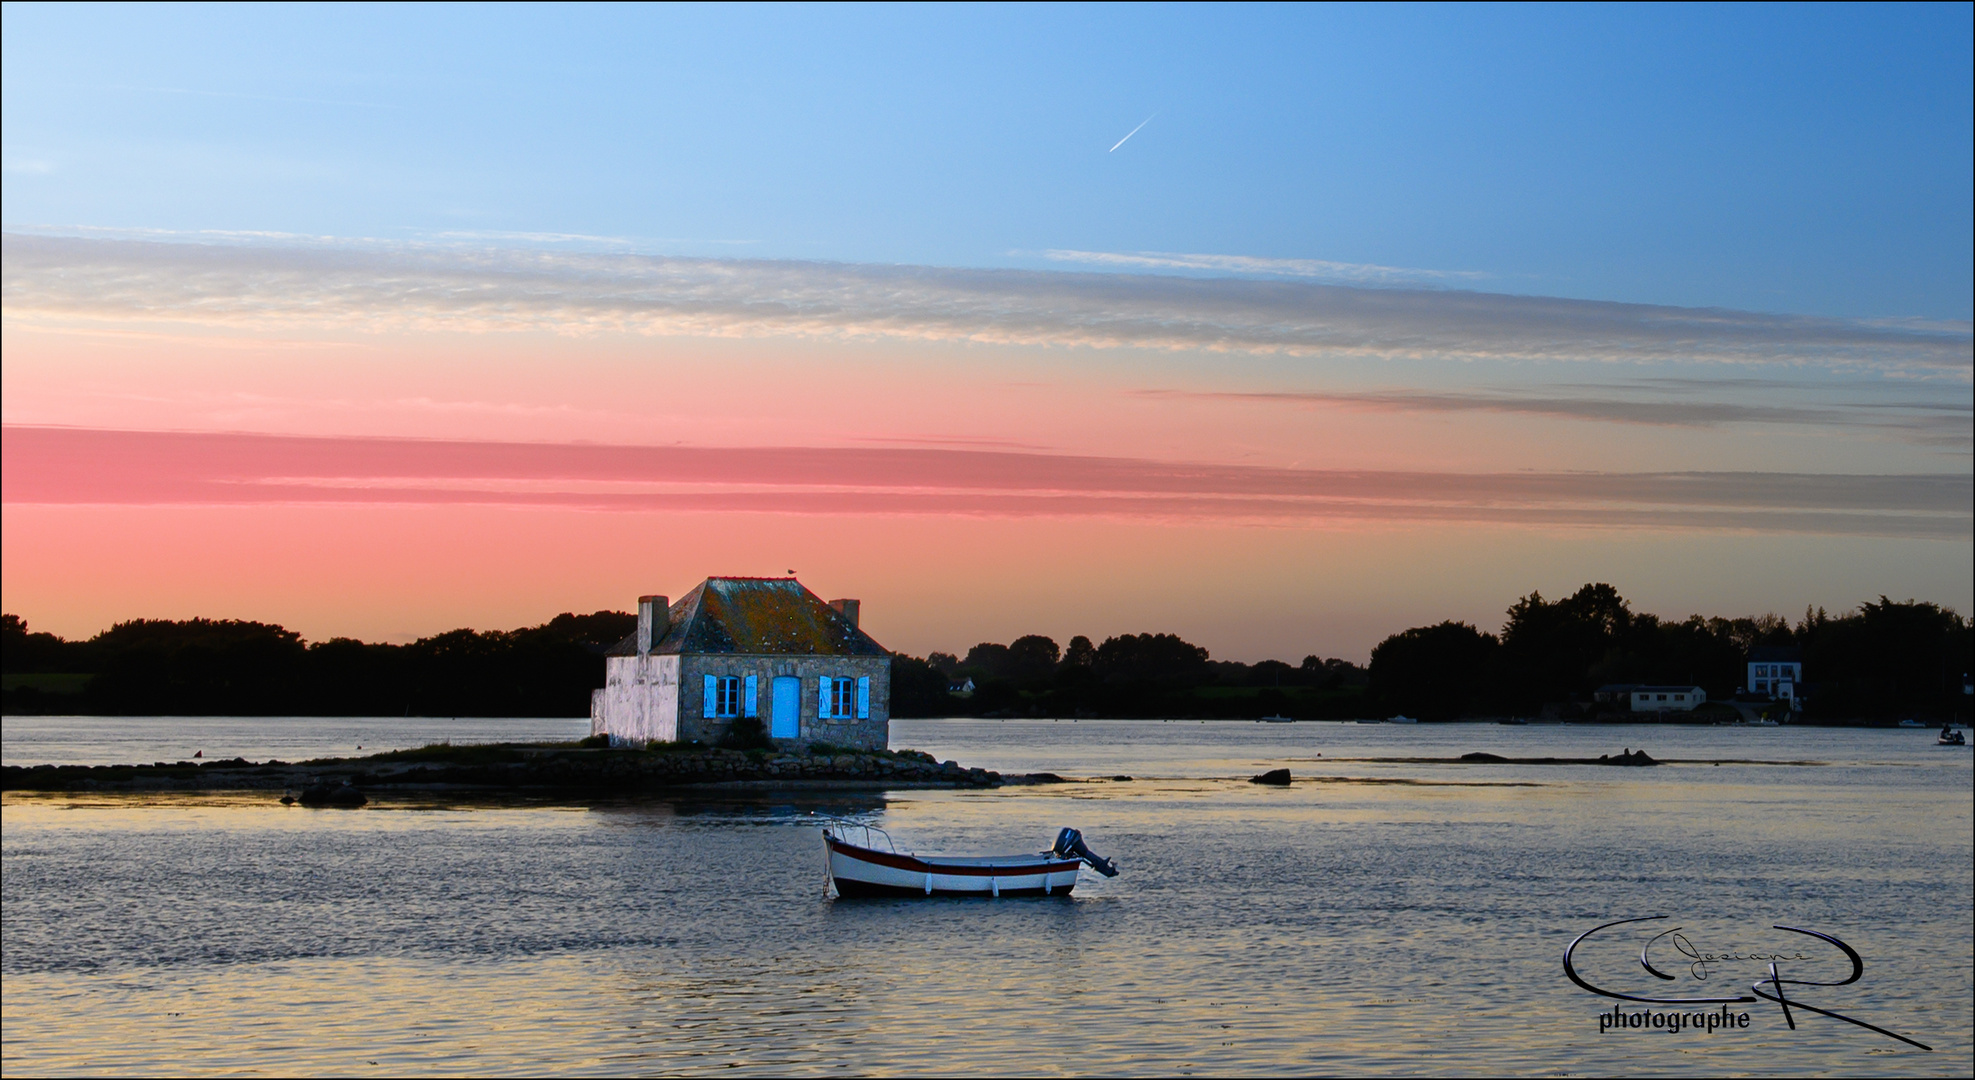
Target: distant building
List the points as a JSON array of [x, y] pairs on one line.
[[1614, 692], [734, 648], [1777, 673], [1667, 698], [961, 686]]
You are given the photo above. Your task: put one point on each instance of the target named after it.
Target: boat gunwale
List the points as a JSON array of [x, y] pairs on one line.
[[937, 864]]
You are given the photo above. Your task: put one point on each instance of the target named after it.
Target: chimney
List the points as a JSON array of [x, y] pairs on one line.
[[654, 617], [846, 608]]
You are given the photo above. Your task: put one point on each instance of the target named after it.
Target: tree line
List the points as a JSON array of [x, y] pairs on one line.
[[1884, 659], [229, 667], [1127, 676]]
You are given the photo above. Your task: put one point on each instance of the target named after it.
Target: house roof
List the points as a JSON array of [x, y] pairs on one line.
[[1663, 689], [1775, 654], [774, 616]]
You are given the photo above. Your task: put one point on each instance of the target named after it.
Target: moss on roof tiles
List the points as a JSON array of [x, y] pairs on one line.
[[757, 615]]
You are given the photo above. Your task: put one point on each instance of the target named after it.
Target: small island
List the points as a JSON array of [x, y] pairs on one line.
[[591, 767]]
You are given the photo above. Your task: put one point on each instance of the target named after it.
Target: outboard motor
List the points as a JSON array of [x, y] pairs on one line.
[[1070, 844]]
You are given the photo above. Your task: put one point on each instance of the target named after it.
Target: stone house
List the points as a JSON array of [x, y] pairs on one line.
[[734, 648]]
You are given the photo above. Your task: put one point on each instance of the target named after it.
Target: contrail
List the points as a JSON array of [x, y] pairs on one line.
[[1133, 131]]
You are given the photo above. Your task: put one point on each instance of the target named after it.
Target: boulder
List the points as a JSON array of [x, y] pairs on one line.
[[1276, 777], [332, 795]]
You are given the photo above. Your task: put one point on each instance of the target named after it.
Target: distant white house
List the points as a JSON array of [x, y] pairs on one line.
[[1777, 673], [961, 686], [1667, 698]]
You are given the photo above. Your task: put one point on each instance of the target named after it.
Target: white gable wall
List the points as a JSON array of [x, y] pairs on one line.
[[639, 700]]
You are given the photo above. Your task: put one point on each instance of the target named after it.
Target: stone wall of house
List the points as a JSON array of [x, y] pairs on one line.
[[872, 733], [639, 701], [662, 698]]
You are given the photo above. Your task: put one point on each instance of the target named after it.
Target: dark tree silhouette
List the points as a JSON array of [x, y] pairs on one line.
[[1435, 672]]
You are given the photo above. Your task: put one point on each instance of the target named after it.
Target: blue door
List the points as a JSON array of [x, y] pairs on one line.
[[785, 720]]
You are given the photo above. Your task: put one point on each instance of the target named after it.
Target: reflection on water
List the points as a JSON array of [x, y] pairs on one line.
[[1327, 927], [140, 740]]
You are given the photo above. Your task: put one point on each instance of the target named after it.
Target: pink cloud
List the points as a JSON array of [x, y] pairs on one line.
[[74, 466]]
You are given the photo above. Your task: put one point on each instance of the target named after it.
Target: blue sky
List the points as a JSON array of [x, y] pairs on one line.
[[1811, 160]]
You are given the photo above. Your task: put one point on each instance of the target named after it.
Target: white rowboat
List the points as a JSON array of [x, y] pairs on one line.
[[862, 870]]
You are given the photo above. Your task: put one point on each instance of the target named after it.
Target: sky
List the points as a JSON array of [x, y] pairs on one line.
[[1283, 329]]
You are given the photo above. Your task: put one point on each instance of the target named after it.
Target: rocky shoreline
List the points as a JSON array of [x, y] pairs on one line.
[[560, 767]]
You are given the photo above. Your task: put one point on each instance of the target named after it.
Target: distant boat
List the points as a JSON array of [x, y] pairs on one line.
[[1951, 737], [1513, 721], [1759, 722], [864, 871], [1403, 720], [1911, 723], [1275, 720]]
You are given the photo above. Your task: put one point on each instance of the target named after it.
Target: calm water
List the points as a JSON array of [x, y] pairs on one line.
[[1382, 918], [126, 740]]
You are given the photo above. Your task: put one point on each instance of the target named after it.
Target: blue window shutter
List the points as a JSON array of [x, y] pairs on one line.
[[710, 705], [823, 698], [864, 697], [753, 707]]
